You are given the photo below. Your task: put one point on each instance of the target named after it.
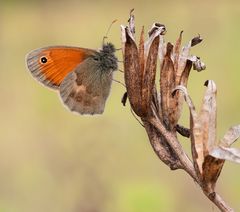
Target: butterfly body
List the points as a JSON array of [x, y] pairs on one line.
[[82, 76]]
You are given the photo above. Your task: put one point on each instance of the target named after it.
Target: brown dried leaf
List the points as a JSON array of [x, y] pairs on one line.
[[167, 84], [149, 75], [212, 168], [176, 50], [141, 52], [133, 76], [185, 74]]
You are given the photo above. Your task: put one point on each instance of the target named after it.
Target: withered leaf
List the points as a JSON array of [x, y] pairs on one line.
[[167, 84], [132, 74], [141, 52], [212, 168], [176, 50], [185, 73], [149, 74]]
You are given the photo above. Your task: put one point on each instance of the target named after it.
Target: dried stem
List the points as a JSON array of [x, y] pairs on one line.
[[186, 164], [174, 143], [219, 202]]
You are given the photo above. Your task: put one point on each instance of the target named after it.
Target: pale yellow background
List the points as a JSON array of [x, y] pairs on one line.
[[54, 161]]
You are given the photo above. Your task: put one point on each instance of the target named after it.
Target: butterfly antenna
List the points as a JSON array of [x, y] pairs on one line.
[[105, 37], [119, 82]]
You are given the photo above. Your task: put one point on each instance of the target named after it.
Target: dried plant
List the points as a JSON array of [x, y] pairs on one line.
[[160, 109]]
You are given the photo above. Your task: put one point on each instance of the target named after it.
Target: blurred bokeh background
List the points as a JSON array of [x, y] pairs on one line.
[[55, 161]]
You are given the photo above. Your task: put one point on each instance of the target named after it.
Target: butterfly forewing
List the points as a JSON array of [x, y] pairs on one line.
[[50, 65]]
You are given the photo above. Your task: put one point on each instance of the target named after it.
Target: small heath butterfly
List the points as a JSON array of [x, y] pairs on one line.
[[82, 76]]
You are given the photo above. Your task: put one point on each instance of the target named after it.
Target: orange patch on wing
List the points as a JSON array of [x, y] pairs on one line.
[[61, 61]]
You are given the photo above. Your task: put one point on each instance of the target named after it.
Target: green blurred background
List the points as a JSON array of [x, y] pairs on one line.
[[55, 161]]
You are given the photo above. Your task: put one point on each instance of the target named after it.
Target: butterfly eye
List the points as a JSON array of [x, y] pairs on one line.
[[96, 58], [43, 59]]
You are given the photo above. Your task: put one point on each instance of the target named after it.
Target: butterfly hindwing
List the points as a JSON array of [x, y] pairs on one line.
[[50, 65], [85, 90]]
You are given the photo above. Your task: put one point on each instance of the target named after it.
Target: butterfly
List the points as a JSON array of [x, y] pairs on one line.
[[82, 76]]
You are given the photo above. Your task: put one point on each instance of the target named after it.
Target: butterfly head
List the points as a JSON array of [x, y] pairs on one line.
[[107, 59]]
